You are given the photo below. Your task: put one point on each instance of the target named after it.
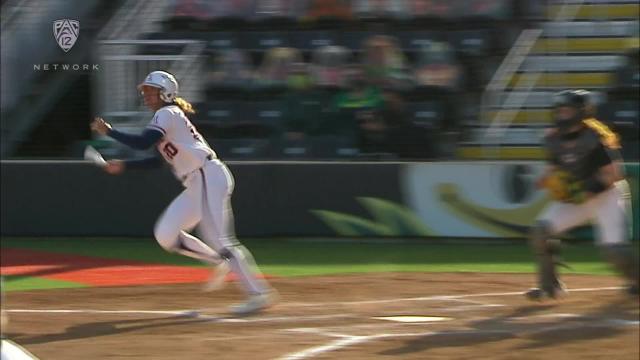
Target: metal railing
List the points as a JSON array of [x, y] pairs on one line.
[[136, 17], [492, 97], [116, 93]]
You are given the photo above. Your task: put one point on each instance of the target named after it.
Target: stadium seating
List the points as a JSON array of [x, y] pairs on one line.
[[438, 54]]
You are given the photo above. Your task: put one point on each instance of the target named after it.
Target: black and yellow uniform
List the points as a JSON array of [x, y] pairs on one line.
[[580, 147], [582, 153]]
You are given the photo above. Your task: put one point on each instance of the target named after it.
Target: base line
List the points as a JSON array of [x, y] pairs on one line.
[[439, 297]]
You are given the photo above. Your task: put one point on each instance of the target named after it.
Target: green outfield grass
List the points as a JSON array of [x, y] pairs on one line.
[[316, 257], [16, 283]]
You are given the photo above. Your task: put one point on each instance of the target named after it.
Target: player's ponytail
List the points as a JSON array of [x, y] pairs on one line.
[[184, 105], [607, 136]]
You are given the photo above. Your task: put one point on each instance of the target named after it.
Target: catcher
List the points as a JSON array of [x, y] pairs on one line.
[[585, 180]]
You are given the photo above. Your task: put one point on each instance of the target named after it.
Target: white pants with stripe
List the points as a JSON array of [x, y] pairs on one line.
[[206, 203], [609, 211]]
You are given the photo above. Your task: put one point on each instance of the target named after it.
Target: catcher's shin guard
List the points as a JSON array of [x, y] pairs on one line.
[[546, 252], [625, 260]]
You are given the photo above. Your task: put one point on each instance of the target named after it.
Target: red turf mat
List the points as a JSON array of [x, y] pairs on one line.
[[93, 271]]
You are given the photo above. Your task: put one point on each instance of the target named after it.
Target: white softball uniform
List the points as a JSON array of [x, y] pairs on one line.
[[181, 146], [609, 211], [205, 202]]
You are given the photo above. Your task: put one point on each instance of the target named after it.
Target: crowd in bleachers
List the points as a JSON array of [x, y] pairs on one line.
[[378, 77], [366, 96], [313, 10]]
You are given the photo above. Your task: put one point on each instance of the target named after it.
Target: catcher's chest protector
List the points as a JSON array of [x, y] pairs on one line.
[[574, 156]]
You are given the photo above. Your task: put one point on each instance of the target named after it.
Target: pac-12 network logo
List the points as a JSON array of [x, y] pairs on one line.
[[66, 32]]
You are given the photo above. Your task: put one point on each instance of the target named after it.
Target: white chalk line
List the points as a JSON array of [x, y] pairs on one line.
[[383, 301], [469, 307], [348, 340], [435, 298], [345, 340], [184, 313], [334, 345], [331, 346], [467, 301], [298, 304]]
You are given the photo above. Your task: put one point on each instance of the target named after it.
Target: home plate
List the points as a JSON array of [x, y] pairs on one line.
[[412, 318]]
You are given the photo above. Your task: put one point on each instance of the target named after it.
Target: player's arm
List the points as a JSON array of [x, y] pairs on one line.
[[608, 172], [117, 167], [144, 141]]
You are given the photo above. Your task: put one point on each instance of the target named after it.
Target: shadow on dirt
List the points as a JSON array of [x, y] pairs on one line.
[[531, 325]]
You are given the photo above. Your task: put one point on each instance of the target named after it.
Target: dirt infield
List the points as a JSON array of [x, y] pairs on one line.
[[462, 316]]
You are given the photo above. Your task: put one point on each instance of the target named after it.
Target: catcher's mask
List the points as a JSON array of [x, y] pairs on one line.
[[580, 100]]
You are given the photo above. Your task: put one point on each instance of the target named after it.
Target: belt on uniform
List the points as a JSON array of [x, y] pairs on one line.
[[209, 158]]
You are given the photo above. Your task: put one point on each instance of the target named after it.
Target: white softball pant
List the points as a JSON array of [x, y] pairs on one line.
[[609, 211], [206, 202]]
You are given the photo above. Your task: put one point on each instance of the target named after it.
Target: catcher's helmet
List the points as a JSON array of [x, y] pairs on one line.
[[581, 100], [574, 98], [164, 81]]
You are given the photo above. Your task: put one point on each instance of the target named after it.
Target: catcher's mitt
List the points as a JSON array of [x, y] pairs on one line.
[[562, 186]]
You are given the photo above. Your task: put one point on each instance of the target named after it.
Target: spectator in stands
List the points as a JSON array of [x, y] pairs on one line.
[[231, 8], [359, 96], [231, 69], [384, 62], [437, 66], [279, 8], [360, 93], [329, 64], [329, 9], [271, 8], [431, 8], [403, 138], [388, 133], [304, 106], [372, 135], [198, 9], [274, 71], [379, 9], [495, 9]]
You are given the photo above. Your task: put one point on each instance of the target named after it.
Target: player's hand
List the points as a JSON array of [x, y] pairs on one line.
[[114, 167], [100, 126]]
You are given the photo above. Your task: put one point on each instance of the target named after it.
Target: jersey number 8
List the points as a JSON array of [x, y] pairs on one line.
[[170, 150]]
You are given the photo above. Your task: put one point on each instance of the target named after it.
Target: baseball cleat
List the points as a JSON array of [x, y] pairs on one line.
[[539, 294], [255, 303], [217, 279]]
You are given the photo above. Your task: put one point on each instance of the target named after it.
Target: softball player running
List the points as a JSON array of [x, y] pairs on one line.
[[585, 180], [206, 200]]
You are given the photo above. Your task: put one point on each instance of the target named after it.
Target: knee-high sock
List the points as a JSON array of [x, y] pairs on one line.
[[191, 246], [244, 266]]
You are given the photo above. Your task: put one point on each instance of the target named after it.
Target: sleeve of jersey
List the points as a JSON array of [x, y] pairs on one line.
[[139, 142], [161, 122], [601, 156], [145, 163]]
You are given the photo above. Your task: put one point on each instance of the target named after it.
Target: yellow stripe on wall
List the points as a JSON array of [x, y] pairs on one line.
[[555, 45], [604, 11], [526, 116], [502, 153], [565, 80]]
